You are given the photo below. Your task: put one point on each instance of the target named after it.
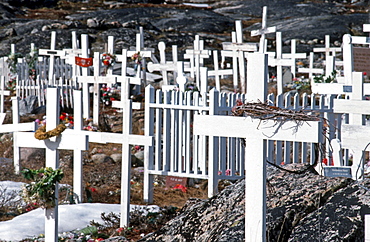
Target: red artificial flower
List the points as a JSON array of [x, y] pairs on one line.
[[112, 99], [325, 161], [180, 187], [365, 73], [119, 230], [92, 189]]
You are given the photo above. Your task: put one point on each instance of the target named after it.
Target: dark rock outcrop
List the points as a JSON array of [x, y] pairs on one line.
[[300, 207], [175, 23]]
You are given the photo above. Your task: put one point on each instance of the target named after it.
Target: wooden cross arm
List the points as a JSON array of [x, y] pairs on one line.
[[97, 79], [263, 31], [52, 52], [5, 93], [239, 46], [66, 141], [104, 138], [7, 128], [168, 66], [313, 70], [330, 49], [279, 62], [356, 137], [351, 106], [143, 53], [246, 127]]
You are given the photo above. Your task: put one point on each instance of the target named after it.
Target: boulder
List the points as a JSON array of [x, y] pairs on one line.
[[301, 206]]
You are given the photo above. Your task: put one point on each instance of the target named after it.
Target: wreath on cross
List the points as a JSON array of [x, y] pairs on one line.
[[42, 134]]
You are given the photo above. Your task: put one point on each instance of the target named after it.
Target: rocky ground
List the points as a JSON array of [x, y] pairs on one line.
[[300, 206]]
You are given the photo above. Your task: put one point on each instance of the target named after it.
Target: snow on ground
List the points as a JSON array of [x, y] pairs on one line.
[[71, 217]]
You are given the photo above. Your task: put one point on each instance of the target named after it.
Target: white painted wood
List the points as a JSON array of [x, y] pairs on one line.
[[3, 93], [196, 57], [52, 53], [257, 76], [256, 133], [263, 31], [235, 50], [356, 107], [67, 140], [337, 152], [268, 129], [165, 66], [367, 227], [293, 55], [279, 62]]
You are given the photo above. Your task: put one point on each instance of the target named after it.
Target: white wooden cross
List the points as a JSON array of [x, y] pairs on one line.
[[310, 70], [67, 140], [126, 80], [72, 53], [217, 72], [196, 57], [263, 31], [355, 135], [97, 80], [3, 93], [163, 65], [84, 72], [144, 53], [293, 55], [16, 127], [330, 53], [52, 53], [256, 133], [279, 62], [236, 49]]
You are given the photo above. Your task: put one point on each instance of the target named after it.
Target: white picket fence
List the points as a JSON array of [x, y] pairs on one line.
[[177, 152]]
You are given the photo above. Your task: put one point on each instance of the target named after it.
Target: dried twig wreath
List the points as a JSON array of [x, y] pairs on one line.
[[41, 133]]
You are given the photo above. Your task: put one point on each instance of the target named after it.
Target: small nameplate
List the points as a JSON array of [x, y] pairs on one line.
[[172, 181], [347, 88], [331, 171], [52, 52]]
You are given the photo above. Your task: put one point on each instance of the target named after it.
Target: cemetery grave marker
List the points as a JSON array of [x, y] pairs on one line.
[[330, 53], [96, 80], [310, 70], [279, 62], [235, 50], [217, 72], [355, 135], [52, 53], [294, 56], [67, 140], [72, 54], [263, 31], [256, 133], [163, 65], [196, 57]]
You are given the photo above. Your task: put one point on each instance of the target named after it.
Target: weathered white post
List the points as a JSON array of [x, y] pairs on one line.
[[367, 227], [263, 31]]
